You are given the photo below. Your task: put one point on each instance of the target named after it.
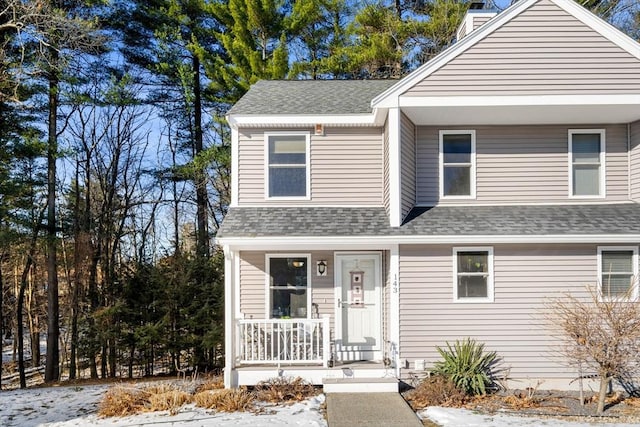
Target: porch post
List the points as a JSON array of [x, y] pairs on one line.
[[395, 185], [394, 309], [229, 318]]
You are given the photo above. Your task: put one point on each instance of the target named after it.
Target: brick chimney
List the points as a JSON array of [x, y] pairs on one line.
[[475, 17]]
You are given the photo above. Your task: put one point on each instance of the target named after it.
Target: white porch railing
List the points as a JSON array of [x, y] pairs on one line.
[[275, 341]]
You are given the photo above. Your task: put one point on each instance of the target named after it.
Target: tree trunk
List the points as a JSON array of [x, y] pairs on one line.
[[2, 326], [52, 371], [200, 178], [602, 394]]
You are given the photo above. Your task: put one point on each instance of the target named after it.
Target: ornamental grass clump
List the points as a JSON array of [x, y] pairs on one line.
[[467, 366]]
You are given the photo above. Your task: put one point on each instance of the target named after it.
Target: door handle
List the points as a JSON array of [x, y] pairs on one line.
[[339, 303]]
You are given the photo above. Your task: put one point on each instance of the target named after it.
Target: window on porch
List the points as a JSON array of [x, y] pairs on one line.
[[288, 278]]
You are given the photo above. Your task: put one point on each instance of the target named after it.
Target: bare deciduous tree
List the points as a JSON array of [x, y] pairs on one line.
[[600, 334]]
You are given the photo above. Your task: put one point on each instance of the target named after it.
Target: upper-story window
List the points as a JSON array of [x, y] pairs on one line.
[[457, 163], [587, 162], [287, 165]]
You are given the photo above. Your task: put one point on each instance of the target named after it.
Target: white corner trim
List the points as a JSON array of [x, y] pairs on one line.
[[229, 318], [394, 306], [394, 167], [235, 166]]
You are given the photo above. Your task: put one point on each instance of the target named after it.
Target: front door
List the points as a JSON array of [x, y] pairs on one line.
[[358, 307]]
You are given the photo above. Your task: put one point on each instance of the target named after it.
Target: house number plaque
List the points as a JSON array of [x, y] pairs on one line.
[[357, 292]]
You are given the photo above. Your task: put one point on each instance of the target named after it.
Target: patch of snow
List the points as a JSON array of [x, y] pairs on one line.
[[463, 417], [77, 406]]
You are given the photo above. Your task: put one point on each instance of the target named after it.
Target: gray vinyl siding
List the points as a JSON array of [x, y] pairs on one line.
[[478, 21], [385, 156], [521, 164], [253, 291], [525, 276], [346, 168], [635, 161], [407, 165], [542, 51]]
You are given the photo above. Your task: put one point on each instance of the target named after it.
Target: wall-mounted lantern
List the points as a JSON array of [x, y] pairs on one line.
[[321, 268]]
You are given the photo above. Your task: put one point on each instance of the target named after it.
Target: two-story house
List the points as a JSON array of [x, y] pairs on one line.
[[372, 221]]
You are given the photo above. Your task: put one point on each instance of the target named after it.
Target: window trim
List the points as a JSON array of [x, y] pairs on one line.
[[267, 269], [307, 136], [634, 260], [472, 172], [602, 158], [490, 279]]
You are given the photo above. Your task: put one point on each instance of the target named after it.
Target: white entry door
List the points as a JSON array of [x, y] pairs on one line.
[[358, 306]]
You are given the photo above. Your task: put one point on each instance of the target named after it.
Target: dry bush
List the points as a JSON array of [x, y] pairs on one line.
[[171, 400], [601, 334], [211, 383], [120, 401], [633, 402], [284, 389], [435, 391], [519, 401], [227, 400]]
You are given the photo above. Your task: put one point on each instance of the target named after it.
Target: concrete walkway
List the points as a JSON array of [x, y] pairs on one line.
[[369, 409]]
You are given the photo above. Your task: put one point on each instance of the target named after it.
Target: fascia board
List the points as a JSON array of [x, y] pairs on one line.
[[382, 242], [523, 100], [376, 118]]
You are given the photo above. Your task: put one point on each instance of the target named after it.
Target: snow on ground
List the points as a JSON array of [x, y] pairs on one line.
[[454, 417], [77, 406]]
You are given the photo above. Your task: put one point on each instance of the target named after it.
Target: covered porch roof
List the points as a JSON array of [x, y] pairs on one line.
[[311, 227]]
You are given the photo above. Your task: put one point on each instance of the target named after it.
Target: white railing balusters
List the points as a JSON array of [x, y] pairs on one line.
[[283, 341]]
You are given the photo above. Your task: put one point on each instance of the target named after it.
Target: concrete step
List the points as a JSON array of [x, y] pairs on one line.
[[360, 385]]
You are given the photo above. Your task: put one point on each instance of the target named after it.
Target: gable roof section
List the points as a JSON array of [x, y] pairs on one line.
[[440, 224], [314, 97], [489, 56]]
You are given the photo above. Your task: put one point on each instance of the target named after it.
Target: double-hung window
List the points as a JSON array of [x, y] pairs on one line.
[[473, 274], [288, 283], [458, 163], [587, 162], [618, 272], [287, 165]]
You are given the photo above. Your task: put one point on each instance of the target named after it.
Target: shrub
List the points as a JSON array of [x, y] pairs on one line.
[[467, 366], [211, 383], [284, 389], [435, 391], [120, 401], [228, 400], [169, 400]]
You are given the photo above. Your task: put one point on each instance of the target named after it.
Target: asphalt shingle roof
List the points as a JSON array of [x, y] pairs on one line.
[[438, 221], [310, 97]]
